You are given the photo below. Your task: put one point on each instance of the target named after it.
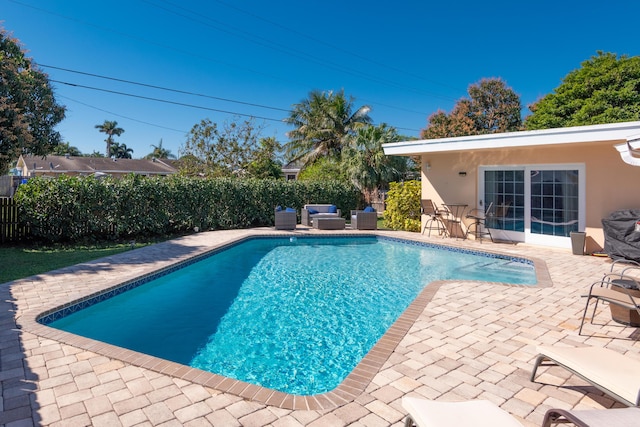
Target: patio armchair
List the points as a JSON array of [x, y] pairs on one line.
[[285, 219], [621, 291], [364, 219]]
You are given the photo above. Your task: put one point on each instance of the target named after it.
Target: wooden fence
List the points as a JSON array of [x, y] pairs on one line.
[[10, 229]]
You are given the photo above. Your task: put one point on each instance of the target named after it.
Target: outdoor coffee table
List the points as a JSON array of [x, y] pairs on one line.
[[329, 223]]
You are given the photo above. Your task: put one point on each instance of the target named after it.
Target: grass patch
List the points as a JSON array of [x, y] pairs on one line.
[[21, 261], [381, 224]]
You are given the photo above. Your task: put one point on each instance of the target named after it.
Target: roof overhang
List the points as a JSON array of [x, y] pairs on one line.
[[615, 133]]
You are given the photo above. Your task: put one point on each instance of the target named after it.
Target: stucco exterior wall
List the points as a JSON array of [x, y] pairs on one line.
[[611, 184]]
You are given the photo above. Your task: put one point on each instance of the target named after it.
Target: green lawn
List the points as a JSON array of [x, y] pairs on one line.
[[19, 261]]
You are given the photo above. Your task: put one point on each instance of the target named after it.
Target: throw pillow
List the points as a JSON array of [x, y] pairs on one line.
[[289, 210], [278, 208], [333, 209], [312, 211], [369, 209]]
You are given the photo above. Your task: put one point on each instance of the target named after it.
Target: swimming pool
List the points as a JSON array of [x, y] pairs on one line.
[[226, 313]]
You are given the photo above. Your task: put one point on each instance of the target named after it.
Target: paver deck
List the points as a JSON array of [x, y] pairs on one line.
[[464, 340]]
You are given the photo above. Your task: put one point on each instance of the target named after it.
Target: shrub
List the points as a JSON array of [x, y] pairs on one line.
[[403, 206]]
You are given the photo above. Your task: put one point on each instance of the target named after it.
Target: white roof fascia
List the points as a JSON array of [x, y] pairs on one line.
[[629, 151], [570, 135]]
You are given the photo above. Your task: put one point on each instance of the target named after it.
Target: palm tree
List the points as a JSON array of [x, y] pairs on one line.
[[367, 166], [120, 151], [323, 122], [110, 128], [159, 152]]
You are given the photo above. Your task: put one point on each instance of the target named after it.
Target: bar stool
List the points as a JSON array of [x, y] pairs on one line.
[[478, 223], [434, 220]]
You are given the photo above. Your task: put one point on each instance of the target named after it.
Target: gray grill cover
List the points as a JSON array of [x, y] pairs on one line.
[[621, 241]]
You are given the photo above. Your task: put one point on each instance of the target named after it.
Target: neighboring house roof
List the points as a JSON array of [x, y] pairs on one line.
[[53, 165], [174, 163], [627, 134], [294, 166]]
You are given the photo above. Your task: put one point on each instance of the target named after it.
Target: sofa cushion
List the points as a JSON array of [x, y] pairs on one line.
[[325, 215]]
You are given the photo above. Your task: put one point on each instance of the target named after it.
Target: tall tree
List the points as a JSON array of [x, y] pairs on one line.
[[159, 152], [120, 151], [217, 151], [65, 148], [28, 109], [110, 127], [264, 163], [367, 166], [606, 89], [492, 107], [323, 122]]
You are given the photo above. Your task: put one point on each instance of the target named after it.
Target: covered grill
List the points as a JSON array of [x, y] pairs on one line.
[[622, 234]]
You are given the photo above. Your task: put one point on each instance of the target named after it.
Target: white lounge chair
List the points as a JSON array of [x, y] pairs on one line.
[[477, 413], [627, 417], [611, 372]]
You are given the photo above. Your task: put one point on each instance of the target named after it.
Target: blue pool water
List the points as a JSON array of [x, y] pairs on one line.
[[295, 315]]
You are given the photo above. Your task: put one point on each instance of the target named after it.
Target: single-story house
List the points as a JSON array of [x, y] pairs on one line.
[[291, 170], [535, 186], [53, 166]]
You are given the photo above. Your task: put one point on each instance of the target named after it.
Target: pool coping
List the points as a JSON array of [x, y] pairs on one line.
[[348, 390]]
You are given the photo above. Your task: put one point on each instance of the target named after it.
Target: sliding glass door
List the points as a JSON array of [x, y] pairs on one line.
[[538, 203]]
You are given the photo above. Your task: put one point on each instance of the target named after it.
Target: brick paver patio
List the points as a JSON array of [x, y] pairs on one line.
[[471, 340]]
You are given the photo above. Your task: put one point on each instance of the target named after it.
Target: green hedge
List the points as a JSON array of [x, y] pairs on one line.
[[76, 208]]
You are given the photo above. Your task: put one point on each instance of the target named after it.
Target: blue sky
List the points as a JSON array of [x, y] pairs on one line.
[[404, 59]]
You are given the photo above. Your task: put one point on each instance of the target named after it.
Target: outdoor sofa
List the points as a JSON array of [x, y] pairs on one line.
[[310, 211]]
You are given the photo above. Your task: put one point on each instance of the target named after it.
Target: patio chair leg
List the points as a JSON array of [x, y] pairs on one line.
[[584, 315]]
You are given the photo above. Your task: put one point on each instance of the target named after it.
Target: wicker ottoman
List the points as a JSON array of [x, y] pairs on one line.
[[329, 223]]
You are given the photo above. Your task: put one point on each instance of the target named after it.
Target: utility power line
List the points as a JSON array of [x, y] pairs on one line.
[[164, 88], [148, 98]]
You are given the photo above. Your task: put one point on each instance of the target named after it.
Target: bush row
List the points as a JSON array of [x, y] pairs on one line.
[[76, 208]]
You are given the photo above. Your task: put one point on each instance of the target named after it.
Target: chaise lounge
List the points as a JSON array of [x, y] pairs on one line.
[[593, 417], [612, 373], [477, 413], [481, 413]]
